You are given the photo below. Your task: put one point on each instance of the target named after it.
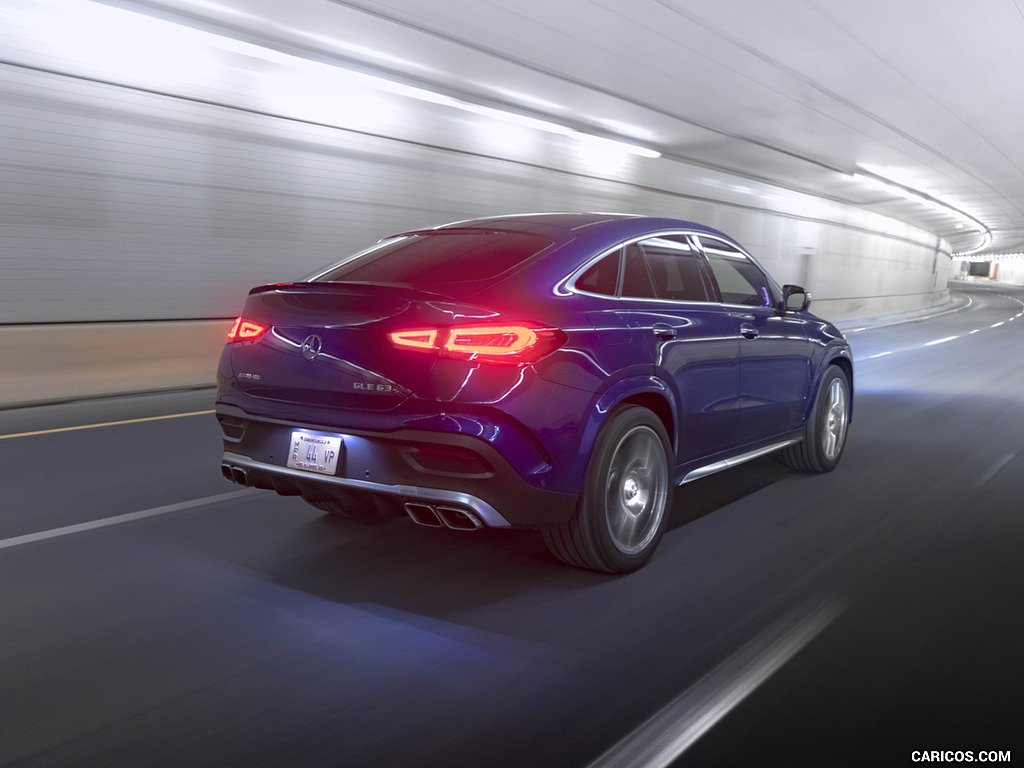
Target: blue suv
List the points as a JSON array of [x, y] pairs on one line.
[[559, 371]]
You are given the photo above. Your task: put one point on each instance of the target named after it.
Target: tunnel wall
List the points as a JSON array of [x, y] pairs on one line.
[[1011, 271], [137, 212]]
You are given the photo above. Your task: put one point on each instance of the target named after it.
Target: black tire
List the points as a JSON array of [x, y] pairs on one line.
[[626, 499], [827, 427]]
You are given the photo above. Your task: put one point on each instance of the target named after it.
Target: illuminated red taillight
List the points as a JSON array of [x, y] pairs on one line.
[[483, 343], [415, 339], [245, 330], [490, 340]]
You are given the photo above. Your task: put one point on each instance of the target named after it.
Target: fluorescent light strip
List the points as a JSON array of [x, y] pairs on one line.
[[516, 118], [986, 241], [996, 257], [872, 179], [144, 32]]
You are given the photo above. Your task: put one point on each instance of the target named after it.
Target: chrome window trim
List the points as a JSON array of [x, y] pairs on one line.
[[568, 285]]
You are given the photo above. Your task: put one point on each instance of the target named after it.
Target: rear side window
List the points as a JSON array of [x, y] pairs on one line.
[[444, 257], [637, 282], [601, 277], [663, 268]]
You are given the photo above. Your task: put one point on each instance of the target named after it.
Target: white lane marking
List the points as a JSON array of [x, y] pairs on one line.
[[970, 301], [996, 325], [105, 522], [976, 330], [993, 470], [940, 341], [671, 731], [880, 354], [105, 424]]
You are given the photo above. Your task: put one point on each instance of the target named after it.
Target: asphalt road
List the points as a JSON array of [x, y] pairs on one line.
[[152, 614]]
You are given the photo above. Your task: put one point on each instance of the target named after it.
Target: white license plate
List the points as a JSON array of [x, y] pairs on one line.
[[314, 452]]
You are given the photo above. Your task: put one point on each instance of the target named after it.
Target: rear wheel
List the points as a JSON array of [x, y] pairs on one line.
[[623, 510], [823, 446]]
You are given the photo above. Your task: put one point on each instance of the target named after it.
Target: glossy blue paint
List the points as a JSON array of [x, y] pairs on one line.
[[724, 376]]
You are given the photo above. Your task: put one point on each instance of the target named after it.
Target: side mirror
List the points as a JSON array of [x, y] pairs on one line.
[[795, 298]]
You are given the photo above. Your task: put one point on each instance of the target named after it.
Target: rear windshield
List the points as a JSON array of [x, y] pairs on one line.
[[444, 257]]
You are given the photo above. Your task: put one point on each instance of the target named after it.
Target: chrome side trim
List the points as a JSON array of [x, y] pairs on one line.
[[718, 466], [487, 513]]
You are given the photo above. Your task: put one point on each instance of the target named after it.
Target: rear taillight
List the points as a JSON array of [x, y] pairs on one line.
[[415, 339], [490, 340], [245, 330], [483, 343]]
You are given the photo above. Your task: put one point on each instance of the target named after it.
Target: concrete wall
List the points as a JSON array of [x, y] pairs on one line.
[[46, 363]]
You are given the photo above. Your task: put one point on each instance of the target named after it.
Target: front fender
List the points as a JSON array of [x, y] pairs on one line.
[[834, 354]]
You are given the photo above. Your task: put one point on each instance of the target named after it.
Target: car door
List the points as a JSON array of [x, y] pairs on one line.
[[691, 340], [774, 353]]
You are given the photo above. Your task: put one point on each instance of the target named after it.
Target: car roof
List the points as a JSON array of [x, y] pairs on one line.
[[564, 220], [564, 226]]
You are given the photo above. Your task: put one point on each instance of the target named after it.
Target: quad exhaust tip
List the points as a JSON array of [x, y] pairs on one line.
[[440, 515], [429, 515], [235, 474]]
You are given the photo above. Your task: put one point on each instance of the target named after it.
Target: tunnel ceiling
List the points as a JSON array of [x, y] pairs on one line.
[[803, 93]]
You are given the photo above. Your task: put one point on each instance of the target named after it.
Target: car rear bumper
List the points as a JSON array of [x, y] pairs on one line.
[[425, 474]]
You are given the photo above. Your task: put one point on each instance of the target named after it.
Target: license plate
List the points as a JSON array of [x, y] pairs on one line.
[[315, 452]]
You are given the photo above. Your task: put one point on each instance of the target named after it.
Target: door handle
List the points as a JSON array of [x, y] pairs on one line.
[[664, 331], [748, 331]]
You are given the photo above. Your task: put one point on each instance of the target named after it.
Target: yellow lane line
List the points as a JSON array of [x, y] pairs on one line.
[[105, 424]]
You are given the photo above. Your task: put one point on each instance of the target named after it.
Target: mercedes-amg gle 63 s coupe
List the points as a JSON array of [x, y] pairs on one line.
[[563, 372]]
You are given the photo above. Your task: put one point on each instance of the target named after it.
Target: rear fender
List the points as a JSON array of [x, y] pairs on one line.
[[634, 388]]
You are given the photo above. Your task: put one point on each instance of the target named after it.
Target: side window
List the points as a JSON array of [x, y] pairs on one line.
[[738, 278], [601, 277], [675, 269], [636, 281]]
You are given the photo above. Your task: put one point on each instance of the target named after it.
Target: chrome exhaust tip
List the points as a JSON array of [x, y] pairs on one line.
[[235, 474], [459, 519], [440, 516], [422, 514]]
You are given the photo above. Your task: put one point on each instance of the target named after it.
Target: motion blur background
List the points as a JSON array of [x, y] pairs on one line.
[[158, 158], [161, 157]]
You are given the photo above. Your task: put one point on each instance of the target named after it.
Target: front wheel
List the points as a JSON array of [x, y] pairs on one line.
[[823, 446], [623, 510]]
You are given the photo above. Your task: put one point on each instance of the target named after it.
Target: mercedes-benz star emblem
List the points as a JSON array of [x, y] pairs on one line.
[[311, 346]]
